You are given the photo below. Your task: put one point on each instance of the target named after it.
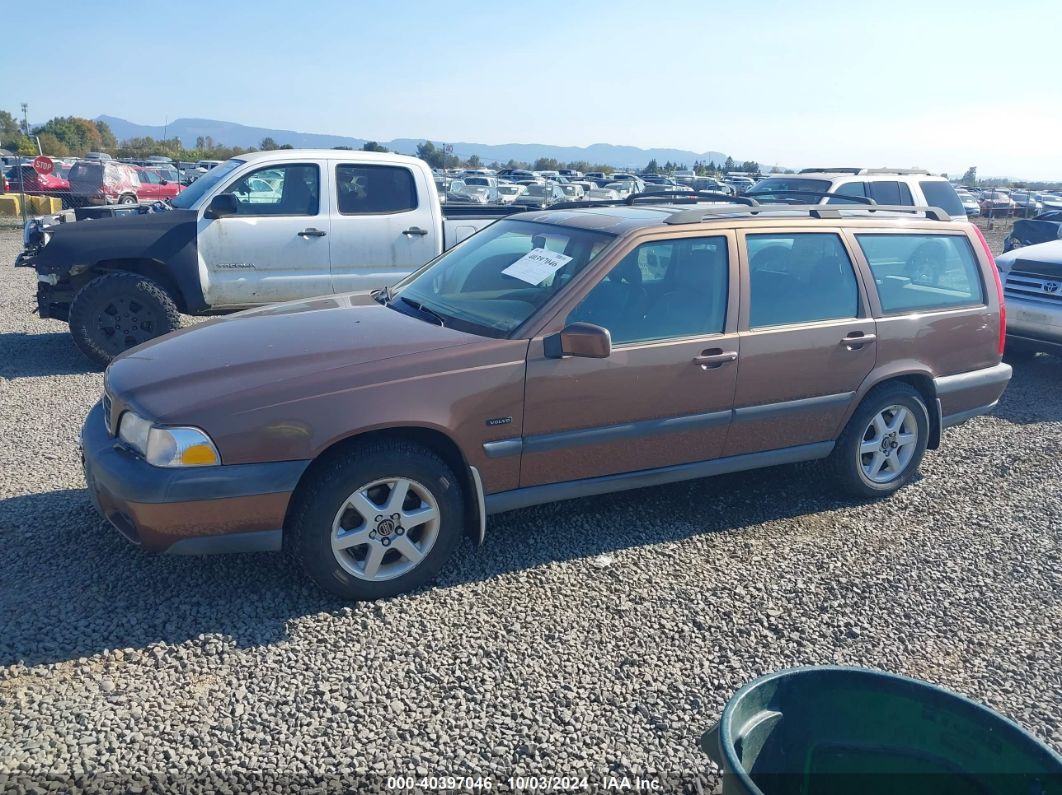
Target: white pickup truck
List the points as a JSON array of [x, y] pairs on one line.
[[260, 228]]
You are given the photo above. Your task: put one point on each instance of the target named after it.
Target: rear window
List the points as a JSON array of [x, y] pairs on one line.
[[919, 272], [941, 194], [86, 172], [780, 187]]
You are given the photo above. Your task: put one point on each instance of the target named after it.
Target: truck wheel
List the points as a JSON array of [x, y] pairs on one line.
[[116, 311], [883, 443], [376, 521], [127, 199]]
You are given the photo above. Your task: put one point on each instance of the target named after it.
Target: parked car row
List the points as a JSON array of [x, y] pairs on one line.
[[95, 181]]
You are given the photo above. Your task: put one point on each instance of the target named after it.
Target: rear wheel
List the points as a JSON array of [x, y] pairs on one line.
[[117, 311], [376, 521], [883, 444], [127, 198]]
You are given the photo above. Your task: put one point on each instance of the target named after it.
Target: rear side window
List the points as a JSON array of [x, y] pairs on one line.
[[374, 190], [941, 194], [891, 193], [800, 278], [919, 272]]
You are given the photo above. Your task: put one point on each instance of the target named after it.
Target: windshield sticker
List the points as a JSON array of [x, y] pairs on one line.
[[537, 266]]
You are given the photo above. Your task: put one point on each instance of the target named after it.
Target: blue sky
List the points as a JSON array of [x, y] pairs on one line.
[[942, 84]]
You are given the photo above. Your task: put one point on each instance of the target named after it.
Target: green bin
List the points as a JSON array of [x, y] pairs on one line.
[[852, 731]]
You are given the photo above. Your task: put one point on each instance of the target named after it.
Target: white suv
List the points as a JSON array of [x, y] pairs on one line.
[[885, 186]]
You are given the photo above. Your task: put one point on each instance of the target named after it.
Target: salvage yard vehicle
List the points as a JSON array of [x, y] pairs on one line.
[[1032, 279], [1030, 231], [908, 187], [554, 355], [262, 227], [103, 182]]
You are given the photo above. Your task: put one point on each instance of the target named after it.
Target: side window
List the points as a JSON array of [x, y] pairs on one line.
[[278, 190], [374, 190], [800, 278], [887, 193], [918, 272], [849, 189], [662, 290]]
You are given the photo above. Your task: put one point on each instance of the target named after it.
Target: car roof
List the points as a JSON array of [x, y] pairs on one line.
[[828, 175], [331, 154], [623, 219]]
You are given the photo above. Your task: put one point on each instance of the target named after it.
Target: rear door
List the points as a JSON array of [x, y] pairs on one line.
[[807, 339], [664, 395], [383, 226], [276, 247]]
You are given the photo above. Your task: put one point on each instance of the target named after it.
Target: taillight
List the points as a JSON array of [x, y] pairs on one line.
[[999, 290]]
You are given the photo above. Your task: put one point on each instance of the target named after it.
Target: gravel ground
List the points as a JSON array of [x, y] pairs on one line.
[[592, 638]]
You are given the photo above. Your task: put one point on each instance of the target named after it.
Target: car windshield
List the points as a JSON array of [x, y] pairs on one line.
[[188, 199], [780, 184], [493, 282]]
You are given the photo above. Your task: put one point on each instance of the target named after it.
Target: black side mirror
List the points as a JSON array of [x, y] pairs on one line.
[[584, 340], [164, 182], [222, 205]]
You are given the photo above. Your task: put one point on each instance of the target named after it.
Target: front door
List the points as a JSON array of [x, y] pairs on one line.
[[276, 247], [807, 340], [664, 395], [383, 226]]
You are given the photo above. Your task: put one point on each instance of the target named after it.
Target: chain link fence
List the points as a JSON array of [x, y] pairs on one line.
[[92, 186]]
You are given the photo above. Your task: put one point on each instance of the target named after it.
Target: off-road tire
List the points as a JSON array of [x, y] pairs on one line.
[[309, 526], [843, 463], [91, 301]]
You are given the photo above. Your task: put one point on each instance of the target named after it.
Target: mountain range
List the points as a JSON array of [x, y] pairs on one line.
[[232, 134]]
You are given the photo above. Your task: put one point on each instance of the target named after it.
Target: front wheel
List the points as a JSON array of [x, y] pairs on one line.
[[883, 443], [117, 311], [127, 199], [376, 521]]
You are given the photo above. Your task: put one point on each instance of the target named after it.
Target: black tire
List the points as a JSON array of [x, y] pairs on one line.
[[309, 529], [845, 462], [117, 311], [128, 198]]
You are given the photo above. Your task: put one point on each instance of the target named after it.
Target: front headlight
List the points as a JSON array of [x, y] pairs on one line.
[[167, 447]]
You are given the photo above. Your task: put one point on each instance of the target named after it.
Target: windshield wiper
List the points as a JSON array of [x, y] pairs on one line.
[[423, 309], [385, 293]]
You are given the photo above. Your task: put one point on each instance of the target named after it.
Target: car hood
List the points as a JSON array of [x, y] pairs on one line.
[[1043, 258], [249, 359], [153, 235]]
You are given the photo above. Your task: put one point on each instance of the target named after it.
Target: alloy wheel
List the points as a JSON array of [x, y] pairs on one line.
[[385, 529], [888, 445]]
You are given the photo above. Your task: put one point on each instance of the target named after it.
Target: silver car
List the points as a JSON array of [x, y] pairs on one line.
[[1032, 284]]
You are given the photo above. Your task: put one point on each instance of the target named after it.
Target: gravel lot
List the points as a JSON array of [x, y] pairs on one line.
[[531, 655]]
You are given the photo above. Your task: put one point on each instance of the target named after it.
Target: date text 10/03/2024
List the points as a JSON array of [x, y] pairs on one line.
[[524, 783]]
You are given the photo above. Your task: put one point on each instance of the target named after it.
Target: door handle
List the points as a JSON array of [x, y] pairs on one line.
[[857, 339], [311, 232], [714, 357], [415, 230]]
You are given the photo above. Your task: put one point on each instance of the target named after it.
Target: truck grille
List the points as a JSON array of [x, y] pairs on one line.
[[1033, 286]]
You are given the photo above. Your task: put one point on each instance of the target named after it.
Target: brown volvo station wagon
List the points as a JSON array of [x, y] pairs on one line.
[[554, 355]]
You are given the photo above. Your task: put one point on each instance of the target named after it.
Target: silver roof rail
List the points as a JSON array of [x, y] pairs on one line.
[[696, 215]]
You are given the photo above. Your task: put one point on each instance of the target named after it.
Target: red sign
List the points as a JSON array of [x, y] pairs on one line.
[[43, 165]]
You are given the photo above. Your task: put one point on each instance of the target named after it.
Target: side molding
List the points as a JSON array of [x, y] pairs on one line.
[[588, 487]]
